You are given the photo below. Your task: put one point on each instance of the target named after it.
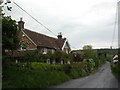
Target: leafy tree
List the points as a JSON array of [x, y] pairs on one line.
[[87, 47], [4, 5], [10, 34], [88, 52]]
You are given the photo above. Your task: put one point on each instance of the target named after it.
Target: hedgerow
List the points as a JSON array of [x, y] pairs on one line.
[[37, 74]]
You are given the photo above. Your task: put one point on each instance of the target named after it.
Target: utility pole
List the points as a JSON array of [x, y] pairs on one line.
[[118, 24]]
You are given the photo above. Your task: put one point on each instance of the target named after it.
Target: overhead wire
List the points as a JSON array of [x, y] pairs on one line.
[[34, 18], [37, 21]]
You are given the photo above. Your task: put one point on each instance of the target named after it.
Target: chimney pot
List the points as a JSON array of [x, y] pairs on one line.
[[21, 24], [21, 19], [59, 35]]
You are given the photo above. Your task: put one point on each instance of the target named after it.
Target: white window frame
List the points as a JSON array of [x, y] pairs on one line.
[[45, 50]]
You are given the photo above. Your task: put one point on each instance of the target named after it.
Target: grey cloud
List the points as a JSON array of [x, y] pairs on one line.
[[76, 29]]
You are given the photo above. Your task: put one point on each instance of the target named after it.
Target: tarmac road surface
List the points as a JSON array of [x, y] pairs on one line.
[[103, 78]]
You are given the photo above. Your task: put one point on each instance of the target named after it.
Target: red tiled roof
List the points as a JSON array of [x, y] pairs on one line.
[[45, 41]]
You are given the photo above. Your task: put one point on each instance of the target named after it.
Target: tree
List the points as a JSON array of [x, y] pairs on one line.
[[10, 34], [88, 52], [4, 4], [87, 47]]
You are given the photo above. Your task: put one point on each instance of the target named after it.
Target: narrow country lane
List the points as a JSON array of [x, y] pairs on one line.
[[101, 79]]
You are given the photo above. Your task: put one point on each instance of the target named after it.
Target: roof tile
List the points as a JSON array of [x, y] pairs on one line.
[[44, 40]]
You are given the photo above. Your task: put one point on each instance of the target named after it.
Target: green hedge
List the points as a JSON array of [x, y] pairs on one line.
[[37, 75], [40, 75], [116, 70], [46, 67]]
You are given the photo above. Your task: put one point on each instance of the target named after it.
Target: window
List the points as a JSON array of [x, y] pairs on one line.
[[53, 51], [45, 51], [67, 50], [24, 46]]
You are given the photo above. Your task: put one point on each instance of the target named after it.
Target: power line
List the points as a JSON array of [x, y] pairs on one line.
[[34, 18], [37, 20]]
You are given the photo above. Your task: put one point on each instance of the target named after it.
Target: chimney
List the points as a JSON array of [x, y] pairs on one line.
[[21, 24], [59, 35]]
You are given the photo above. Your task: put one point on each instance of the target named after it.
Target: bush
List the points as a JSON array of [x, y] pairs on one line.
[[46, 67], [90, 65], [39, 76], [74, 74], [66, 68], [115, 70], [78, 70], [97, 63]]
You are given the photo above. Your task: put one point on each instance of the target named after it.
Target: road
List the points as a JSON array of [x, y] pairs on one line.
[[103, 78]]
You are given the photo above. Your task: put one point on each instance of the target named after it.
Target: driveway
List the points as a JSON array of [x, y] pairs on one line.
[[103, 78]]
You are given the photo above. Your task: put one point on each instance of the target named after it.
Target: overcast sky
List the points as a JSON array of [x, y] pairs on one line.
[[82, 22]]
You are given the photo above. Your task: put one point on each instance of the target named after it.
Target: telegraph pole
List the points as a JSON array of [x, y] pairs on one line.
[[118, 24]]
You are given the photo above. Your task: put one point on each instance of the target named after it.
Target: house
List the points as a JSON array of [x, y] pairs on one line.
[[115, 59], [31, 40]]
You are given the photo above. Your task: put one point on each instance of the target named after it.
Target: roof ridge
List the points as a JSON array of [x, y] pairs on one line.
[[41, 34]]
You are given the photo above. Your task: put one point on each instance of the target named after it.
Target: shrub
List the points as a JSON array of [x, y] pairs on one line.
[[97, 62], [78, 69], [39, 76], [115, 70], [46, 67], [74, 74], [90, 65], [66, 68]]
